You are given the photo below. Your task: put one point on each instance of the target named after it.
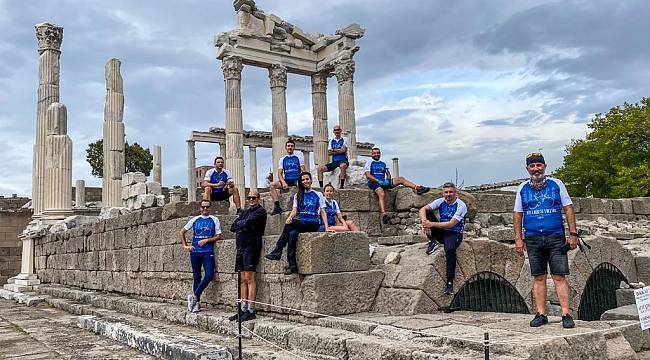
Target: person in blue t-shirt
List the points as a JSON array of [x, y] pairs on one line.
[[219, 186], [338, 150], [290, 167], [379, 179], [206, 230], [335, 219], [538, 211], [306, 215], [448, 231]]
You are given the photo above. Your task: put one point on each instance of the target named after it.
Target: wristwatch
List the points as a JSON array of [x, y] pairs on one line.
[[571, 233]]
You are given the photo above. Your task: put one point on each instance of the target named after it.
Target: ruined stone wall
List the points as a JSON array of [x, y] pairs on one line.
[[12, 223], [12, 203]]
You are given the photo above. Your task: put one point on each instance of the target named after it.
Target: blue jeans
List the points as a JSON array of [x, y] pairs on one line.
[[207, 261], [451, 241]]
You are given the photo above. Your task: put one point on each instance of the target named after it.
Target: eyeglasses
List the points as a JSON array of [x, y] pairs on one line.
[[533, 154], [205, 207], [251, 197], [337, 129]]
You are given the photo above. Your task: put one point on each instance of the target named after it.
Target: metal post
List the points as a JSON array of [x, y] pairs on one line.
[[239, 311], [486, 345]]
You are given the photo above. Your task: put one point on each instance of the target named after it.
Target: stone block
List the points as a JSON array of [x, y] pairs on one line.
[[370, 223], [641, 206], [403, 302], [501, 234], [643, 268], [494, 203], [125, 192], [319, 253], [401, 239], [625, 297], [154, 188], [152, 215], [627, 312], [340, 293], [225, 255], [137, 189], [269, 266], [626, 206], [354, 199], [180, 210], [133, 178]]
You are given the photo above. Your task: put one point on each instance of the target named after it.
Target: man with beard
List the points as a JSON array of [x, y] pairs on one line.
[[219, 186], [290, 167], [448, 231], [538, 206], [338, 150], [379, 179]]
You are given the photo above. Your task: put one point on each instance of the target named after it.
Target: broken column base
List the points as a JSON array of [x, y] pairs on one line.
[[22, 283]]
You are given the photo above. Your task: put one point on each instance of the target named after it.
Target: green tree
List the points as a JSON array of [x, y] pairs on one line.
[[137, 158], [614, 159]]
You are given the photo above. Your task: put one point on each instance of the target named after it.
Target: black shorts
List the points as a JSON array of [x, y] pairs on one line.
[[375, 185], [293, 182], [246, 259], [335, 164], [546, 251], [220, 196]]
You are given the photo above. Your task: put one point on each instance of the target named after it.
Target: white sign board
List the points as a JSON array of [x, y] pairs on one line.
[[642, 297]]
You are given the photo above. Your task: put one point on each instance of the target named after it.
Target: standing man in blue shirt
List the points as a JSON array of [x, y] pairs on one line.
[[338, 150], [379, 179], [219, 186], [290, 167], [538, 207], [206, 230], [448, 231]]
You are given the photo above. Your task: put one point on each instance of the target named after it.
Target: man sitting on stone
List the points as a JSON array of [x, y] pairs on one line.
[[379, 179], [338, 150], [219, 186], [290, 167], [249, 227], [448, 231], [206, 230]]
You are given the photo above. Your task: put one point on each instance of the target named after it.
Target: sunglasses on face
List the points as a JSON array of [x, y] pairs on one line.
[[337, 129], [205, 207], [251, 197]]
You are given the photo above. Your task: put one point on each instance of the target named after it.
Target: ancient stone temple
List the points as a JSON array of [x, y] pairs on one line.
[[265, 40]]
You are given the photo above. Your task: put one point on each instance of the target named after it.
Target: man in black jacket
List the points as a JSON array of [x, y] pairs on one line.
[[249, 227]]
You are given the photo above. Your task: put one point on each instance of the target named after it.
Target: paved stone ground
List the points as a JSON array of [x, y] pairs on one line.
[[41, 332]]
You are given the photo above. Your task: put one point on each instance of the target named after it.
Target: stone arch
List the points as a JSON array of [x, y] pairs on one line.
[[599, 293], [488, 291]]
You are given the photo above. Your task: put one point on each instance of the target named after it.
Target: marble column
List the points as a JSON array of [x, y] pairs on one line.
[[319, 107], [280, 134], [307, 156], [191, 171], [26, 279], [58, 165], [232, 68], [80, 194], [252, 161], [49, 37], [157, 164], [395, 167], [344, 70], [113, 136], [222, 151]]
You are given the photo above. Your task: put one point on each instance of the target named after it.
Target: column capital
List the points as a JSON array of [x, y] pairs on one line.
[[319, 83], [232, 67], [190, 142], [344, 70], [278, 76], [49, 37]]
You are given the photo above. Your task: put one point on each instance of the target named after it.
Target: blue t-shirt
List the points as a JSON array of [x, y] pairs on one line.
[[457, 210], [377, 168], [337, 144], [203, 227], [290, 165], [309, 209], [542, 208], [213, 176], [331, 209]]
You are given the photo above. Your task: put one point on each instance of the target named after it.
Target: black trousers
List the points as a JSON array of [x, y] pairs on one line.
[[451, 241], [289, 238]]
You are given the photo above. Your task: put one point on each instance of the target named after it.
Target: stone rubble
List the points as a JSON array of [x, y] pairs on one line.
[[138, 194]]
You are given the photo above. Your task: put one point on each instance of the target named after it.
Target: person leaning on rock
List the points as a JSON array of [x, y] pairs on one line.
[[206, 230], [249, 227], [448, 231], [376, 171], [538, 207]]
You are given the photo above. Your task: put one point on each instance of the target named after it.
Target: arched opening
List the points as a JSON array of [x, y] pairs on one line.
[[487, 291], [600, 292]]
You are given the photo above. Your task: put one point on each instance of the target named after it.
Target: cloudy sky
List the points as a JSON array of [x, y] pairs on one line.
[[466, 86]]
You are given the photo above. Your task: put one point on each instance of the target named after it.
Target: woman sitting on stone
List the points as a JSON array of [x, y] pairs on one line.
[[308, 209], [335, 220]]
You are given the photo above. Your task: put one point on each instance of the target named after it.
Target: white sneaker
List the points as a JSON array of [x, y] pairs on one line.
[[191, 302], [196, 308]]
